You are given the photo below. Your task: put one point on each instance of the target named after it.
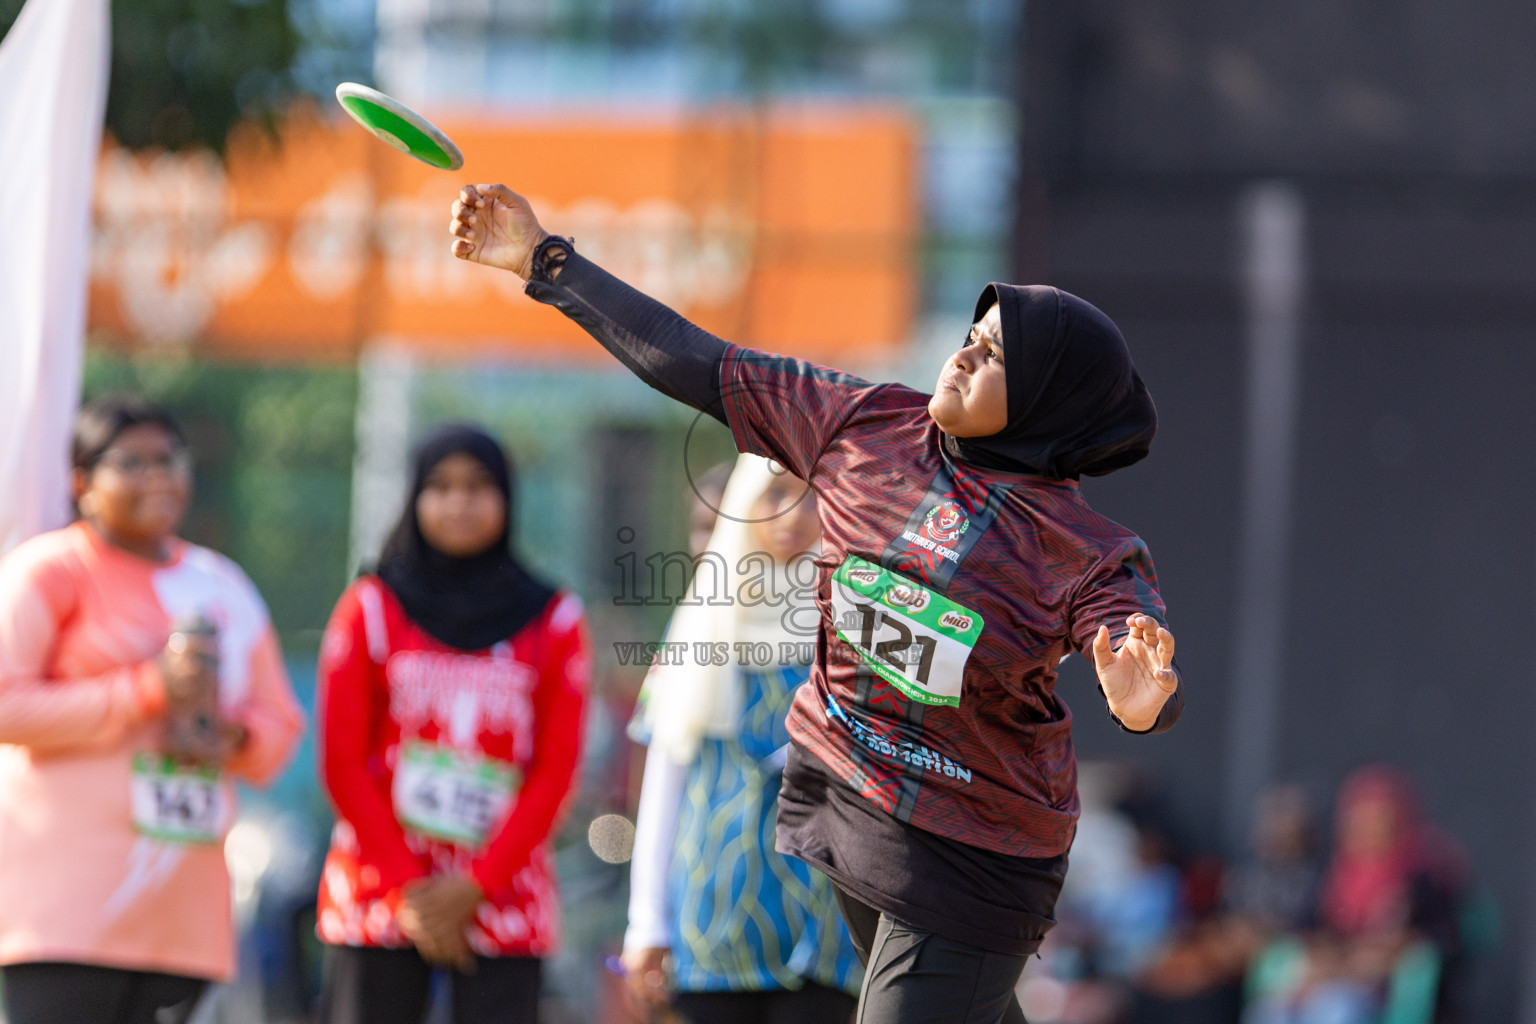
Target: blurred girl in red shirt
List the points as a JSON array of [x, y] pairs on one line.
[[452, 684]]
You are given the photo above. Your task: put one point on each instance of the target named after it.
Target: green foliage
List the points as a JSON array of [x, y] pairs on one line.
[[184, 71], [273, 479]]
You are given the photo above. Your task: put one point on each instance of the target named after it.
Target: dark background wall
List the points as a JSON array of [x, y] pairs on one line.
[[1408, 130], [1305, 86]]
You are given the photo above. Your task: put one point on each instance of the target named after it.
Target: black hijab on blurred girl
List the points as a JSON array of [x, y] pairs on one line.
[[469, 603], [1076, 406]]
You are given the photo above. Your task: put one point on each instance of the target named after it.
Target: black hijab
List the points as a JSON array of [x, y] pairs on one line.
[[469, 603], [1076, 405]]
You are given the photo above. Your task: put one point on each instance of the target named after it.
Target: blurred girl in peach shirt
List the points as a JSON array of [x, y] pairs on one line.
[[139, 676]]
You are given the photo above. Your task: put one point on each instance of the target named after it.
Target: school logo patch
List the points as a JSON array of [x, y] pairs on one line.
[[945, 523], [943, 526]]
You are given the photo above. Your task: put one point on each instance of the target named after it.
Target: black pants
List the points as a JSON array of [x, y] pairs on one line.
[[64, 993], [393, 986], [913, 976], [813, 1004]]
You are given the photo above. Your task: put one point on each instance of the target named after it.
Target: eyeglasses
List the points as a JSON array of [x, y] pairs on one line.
[[176, 463]]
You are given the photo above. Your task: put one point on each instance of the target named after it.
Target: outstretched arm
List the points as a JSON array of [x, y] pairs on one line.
[[495, 226]]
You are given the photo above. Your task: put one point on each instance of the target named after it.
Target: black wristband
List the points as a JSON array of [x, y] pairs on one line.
[[548, 255]]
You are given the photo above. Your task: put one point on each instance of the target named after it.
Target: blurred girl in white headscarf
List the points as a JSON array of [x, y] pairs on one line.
[[720, 924]]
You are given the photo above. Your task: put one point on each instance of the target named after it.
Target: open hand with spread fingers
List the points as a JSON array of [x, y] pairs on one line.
[[493, 225], [1139, 678]]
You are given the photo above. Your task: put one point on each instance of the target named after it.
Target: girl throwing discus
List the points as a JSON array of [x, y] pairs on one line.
[[930, 773]]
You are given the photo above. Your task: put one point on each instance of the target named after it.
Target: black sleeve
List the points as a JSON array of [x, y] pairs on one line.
[[1168, 716], [670, 354]]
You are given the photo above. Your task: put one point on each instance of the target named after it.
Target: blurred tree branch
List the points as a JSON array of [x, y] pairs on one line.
[[185, 71]]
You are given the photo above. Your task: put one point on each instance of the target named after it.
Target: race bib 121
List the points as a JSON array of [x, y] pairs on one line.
[[915, 639]]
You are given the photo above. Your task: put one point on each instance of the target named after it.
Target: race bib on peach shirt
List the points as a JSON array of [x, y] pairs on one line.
[[178, 803]]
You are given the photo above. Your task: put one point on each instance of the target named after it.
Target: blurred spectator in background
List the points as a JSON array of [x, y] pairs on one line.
[[1389, 947], [1275, 888], [704, 509], [1133, 918], [139, 674], [746, 934], [452, 691], [1390, 868], [1375, 938], [1197, 975]]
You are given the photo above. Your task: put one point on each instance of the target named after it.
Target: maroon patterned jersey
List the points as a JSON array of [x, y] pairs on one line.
[[1025, 555]]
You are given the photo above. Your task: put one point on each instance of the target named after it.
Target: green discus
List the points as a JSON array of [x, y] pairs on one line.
[[399, 125]]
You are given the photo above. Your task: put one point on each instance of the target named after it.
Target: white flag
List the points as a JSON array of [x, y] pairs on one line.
[[53, 92]]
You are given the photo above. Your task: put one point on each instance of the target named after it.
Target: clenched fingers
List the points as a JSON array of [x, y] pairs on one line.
[[463, 232], [1143, 628]]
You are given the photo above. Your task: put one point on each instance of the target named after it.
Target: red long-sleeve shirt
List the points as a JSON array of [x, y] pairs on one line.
[[391, 693]]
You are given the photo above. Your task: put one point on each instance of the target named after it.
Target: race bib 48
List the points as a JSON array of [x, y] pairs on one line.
[[915, 639]]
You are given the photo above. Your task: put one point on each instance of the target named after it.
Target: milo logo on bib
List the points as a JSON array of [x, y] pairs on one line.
[[956, 622], [864, 577], [904, 595], [914, 638]]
